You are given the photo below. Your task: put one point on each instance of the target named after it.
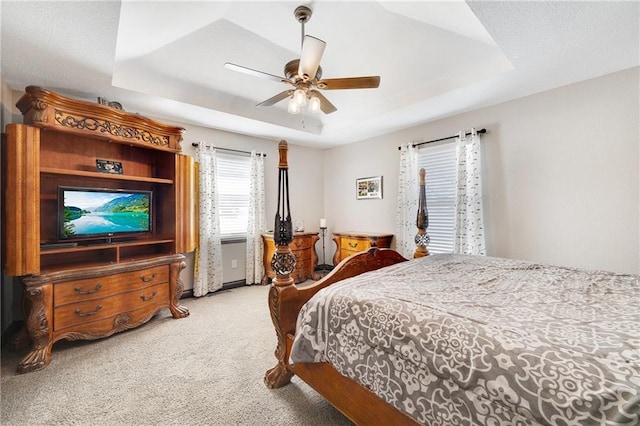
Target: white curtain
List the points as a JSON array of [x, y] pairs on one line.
[[256, 224], [469, 224], [407, 208], [208, 275]]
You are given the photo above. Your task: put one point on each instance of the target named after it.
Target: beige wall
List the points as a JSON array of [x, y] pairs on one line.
[[561, 175]]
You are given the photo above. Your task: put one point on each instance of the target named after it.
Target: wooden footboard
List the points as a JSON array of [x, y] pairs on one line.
[[285, 301]]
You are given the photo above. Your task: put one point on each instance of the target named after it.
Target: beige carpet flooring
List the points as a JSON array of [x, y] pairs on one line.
[[206, 369]]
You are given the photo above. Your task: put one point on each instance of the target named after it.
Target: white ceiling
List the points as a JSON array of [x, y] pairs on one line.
[[435, 59]]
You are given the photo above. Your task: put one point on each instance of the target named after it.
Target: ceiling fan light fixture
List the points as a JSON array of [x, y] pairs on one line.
[[314, 104], [293, 107], [300, 97]]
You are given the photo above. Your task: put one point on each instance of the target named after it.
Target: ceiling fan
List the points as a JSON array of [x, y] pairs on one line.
[[305, 75]]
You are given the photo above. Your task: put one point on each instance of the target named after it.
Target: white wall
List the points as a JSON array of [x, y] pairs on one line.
[[561, 175]]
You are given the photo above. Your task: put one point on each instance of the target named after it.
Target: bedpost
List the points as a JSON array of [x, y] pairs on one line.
[[422, 221], [283, 286]]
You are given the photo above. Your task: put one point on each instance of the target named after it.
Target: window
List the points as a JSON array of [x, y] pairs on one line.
[[439, 163], [232, 182]]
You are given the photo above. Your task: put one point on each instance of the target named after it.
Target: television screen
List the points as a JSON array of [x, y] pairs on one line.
[[97, 212]]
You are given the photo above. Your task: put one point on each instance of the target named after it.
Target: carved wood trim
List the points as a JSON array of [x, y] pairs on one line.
[[45, 108], [38, 303], [109, 128], [121, 322], [279, 375], [175, 292]]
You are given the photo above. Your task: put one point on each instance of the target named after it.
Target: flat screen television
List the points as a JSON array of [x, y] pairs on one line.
[[92, 213]]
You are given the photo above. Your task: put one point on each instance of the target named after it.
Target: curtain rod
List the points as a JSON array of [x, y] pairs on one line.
[[229, 149], [444, 139]]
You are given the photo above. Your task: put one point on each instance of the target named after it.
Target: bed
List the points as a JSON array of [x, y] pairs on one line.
[[456, 340]]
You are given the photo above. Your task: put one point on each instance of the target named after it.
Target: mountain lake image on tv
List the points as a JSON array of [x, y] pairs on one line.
[[95, 212]]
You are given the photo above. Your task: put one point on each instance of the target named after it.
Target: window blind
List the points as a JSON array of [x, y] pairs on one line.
[[439, 163], [232, 182]]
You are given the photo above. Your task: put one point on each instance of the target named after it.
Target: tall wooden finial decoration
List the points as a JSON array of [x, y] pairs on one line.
[[422, 221], [283, 261], [283, 286]]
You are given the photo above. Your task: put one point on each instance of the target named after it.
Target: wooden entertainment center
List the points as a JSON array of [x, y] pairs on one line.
[[92, 289]]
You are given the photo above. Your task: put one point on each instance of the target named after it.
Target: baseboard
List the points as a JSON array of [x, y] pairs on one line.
[[225, 286], [324, 267], [13, 328], [234, 284]]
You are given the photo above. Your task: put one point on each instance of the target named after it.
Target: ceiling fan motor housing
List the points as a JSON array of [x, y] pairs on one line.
[[291, 71]]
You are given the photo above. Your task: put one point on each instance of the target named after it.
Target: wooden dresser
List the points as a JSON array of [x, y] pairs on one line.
[[95, 302], [302, 247], [350, 243], [93, 287]]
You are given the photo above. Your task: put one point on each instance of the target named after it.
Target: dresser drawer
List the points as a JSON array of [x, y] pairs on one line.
[[346, 253], [92, 288], [92, 310], [301, 243], [350, 243], [300, 256], [353, 244], [302, 271]]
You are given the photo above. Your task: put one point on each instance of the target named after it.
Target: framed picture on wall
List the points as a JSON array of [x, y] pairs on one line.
[[369, 188]]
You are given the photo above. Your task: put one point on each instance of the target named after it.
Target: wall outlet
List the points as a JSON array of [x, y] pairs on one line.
[[234, 263]]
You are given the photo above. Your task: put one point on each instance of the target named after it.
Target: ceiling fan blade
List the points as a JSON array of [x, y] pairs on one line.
[[256, 73], [275, 99], [312, 50], [370, 82], [325, 106]]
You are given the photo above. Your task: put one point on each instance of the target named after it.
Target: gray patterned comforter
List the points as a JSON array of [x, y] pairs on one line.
[[464, 340]]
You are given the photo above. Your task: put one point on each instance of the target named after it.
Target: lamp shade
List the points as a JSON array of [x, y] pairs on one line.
[[293, 107], [314, 104], [300, 97]]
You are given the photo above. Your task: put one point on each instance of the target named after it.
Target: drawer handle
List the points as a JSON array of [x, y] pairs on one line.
[[147, 279], [146, 299], [81, 291], [298, 243], [86, 314], [352, 245]]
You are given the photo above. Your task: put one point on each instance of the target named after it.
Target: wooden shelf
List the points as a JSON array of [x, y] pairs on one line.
[[48, 170], [79, 266], [94, 247]]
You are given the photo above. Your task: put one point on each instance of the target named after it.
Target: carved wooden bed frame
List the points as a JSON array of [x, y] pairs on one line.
[[355, 401]]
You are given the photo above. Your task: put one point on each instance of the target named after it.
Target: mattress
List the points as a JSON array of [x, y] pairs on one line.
[[455, 340]]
